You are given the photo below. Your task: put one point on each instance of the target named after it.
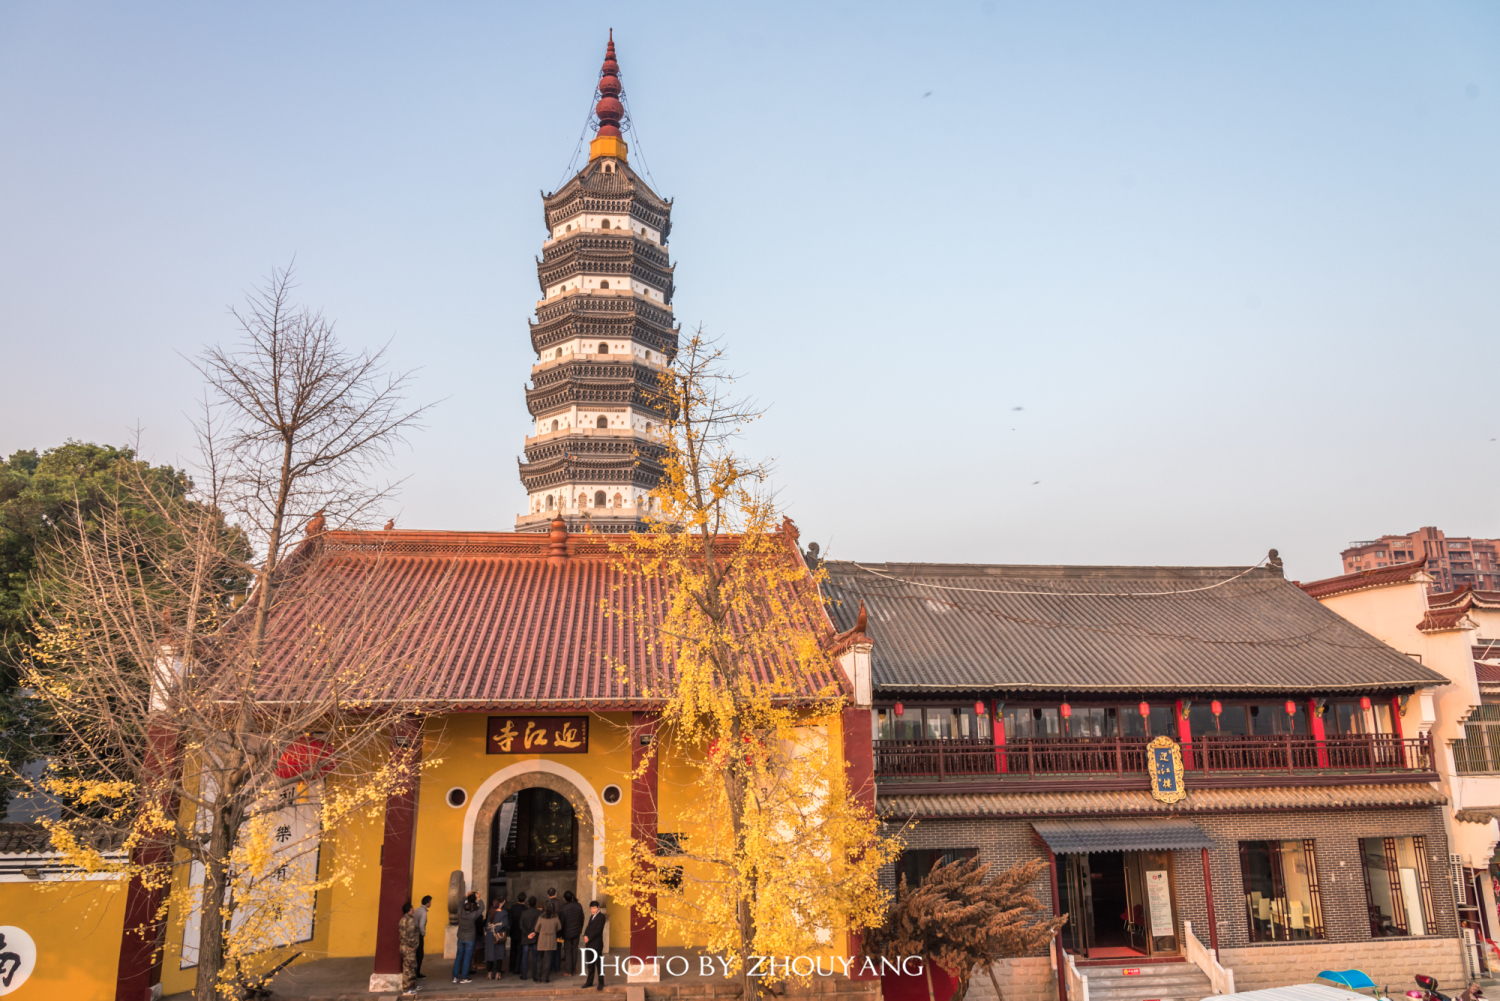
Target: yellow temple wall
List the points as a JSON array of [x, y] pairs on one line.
[[76, 926]]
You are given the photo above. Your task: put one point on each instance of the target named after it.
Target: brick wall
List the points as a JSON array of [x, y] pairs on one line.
[[1028, 979], [1393, 962], [1009, 841]]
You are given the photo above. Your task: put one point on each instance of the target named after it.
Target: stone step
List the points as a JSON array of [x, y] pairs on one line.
[[1155, 982]]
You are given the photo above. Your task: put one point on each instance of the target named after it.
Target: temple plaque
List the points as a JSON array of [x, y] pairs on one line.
[[1164, 766], [538, 735]]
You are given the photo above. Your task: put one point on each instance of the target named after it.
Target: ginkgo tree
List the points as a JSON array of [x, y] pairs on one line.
[[197, 748], [775, 855]]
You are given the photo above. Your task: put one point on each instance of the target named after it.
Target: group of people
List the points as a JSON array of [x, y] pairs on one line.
[[518, 937]]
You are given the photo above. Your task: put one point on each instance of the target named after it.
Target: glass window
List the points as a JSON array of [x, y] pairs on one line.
[[1092, 721], [1281, 890], [889, 726], [1348, 718], [970, 725], [1159, 722], [939, 723], [1231, 721], [1396, 885], [1271, 719], [1032, 722], [916, 864]]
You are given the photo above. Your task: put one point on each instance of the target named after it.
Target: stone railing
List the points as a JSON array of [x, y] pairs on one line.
[[1221, 978], [1077, 983]]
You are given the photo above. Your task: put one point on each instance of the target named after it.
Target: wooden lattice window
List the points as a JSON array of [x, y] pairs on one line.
[[1398, 886]]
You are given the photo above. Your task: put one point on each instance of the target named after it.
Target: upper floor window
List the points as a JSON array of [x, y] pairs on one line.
[[604, 224], [554, 425], [602, 422], [931, 723], [604, 284], [599, 500], [604, 349]]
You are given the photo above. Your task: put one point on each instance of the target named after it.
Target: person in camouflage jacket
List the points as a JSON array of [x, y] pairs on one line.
[[408, 931]]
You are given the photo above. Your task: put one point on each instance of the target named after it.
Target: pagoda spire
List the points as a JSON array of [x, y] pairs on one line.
[[609, 110]]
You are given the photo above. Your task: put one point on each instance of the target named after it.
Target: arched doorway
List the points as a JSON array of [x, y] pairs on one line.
[[534, 844], [540, 808]]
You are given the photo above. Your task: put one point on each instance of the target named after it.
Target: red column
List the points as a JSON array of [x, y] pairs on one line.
[[1396, 726], [1062, 960], [396, 855], [859, 772], [643, 819], [1184, 734], [997, 730], [140, 964], [1315, 727], [1208, 891]]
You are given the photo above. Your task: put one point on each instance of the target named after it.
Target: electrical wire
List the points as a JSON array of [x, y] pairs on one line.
[[1063, 594], [636, 135], [588, 119]]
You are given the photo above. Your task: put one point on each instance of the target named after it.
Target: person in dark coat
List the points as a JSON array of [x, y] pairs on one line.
[[516, 910], [470, 916], [529, 919], [496, 934], [593, 938], [572, 927]]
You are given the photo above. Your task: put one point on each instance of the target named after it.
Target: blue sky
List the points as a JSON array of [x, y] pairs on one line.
[[1236, 262]]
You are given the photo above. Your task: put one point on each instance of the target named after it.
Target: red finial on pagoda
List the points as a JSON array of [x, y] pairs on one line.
[[609, 109]]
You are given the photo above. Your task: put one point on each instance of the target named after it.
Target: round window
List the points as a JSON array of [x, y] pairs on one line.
[[457, 796], [612, 794]]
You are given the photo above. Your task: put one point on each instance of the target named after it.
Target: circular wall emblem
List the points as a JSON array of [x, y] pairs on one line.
[[612, 794], [17, 957]]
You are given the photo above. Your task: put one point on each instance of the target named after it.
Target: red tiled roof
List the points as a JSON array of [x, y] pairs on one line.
[[1454, 616], [1487, 674], [1401, 573], [1479, 599], [481, 619]]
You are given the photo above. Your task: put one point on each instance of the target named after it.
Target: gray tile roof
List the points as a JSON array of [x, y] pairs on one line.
[[973, 627], [900, 807], [1123, 834]]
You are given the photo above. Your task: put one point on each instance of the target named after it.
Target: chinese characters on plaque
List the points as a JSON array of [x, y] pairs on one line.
[[538, 735], [1164, 766]]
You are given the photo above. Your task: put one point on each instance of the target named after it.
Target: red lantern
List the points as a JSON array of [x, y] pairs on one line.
[[1291, 708], [1216, 706], [1144, 710], [900, 709], [304, 755], [1066, 710], [1364, 702], [979, 709]]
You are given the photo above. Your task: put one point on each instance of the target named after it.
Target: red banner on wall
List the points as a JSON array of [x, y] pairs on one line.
[[538, 735]]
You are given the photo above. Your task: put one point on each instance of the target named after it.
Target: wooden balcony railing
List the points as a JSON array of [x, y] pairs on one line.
[[965, 757]]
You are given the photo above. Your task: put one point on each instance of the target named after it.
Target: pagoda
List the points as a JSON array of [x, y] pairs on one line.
[[603, 335]]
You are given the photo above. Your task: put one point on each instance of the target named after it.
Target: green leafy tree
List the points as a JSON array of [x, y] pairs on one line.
[[45, 496]]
